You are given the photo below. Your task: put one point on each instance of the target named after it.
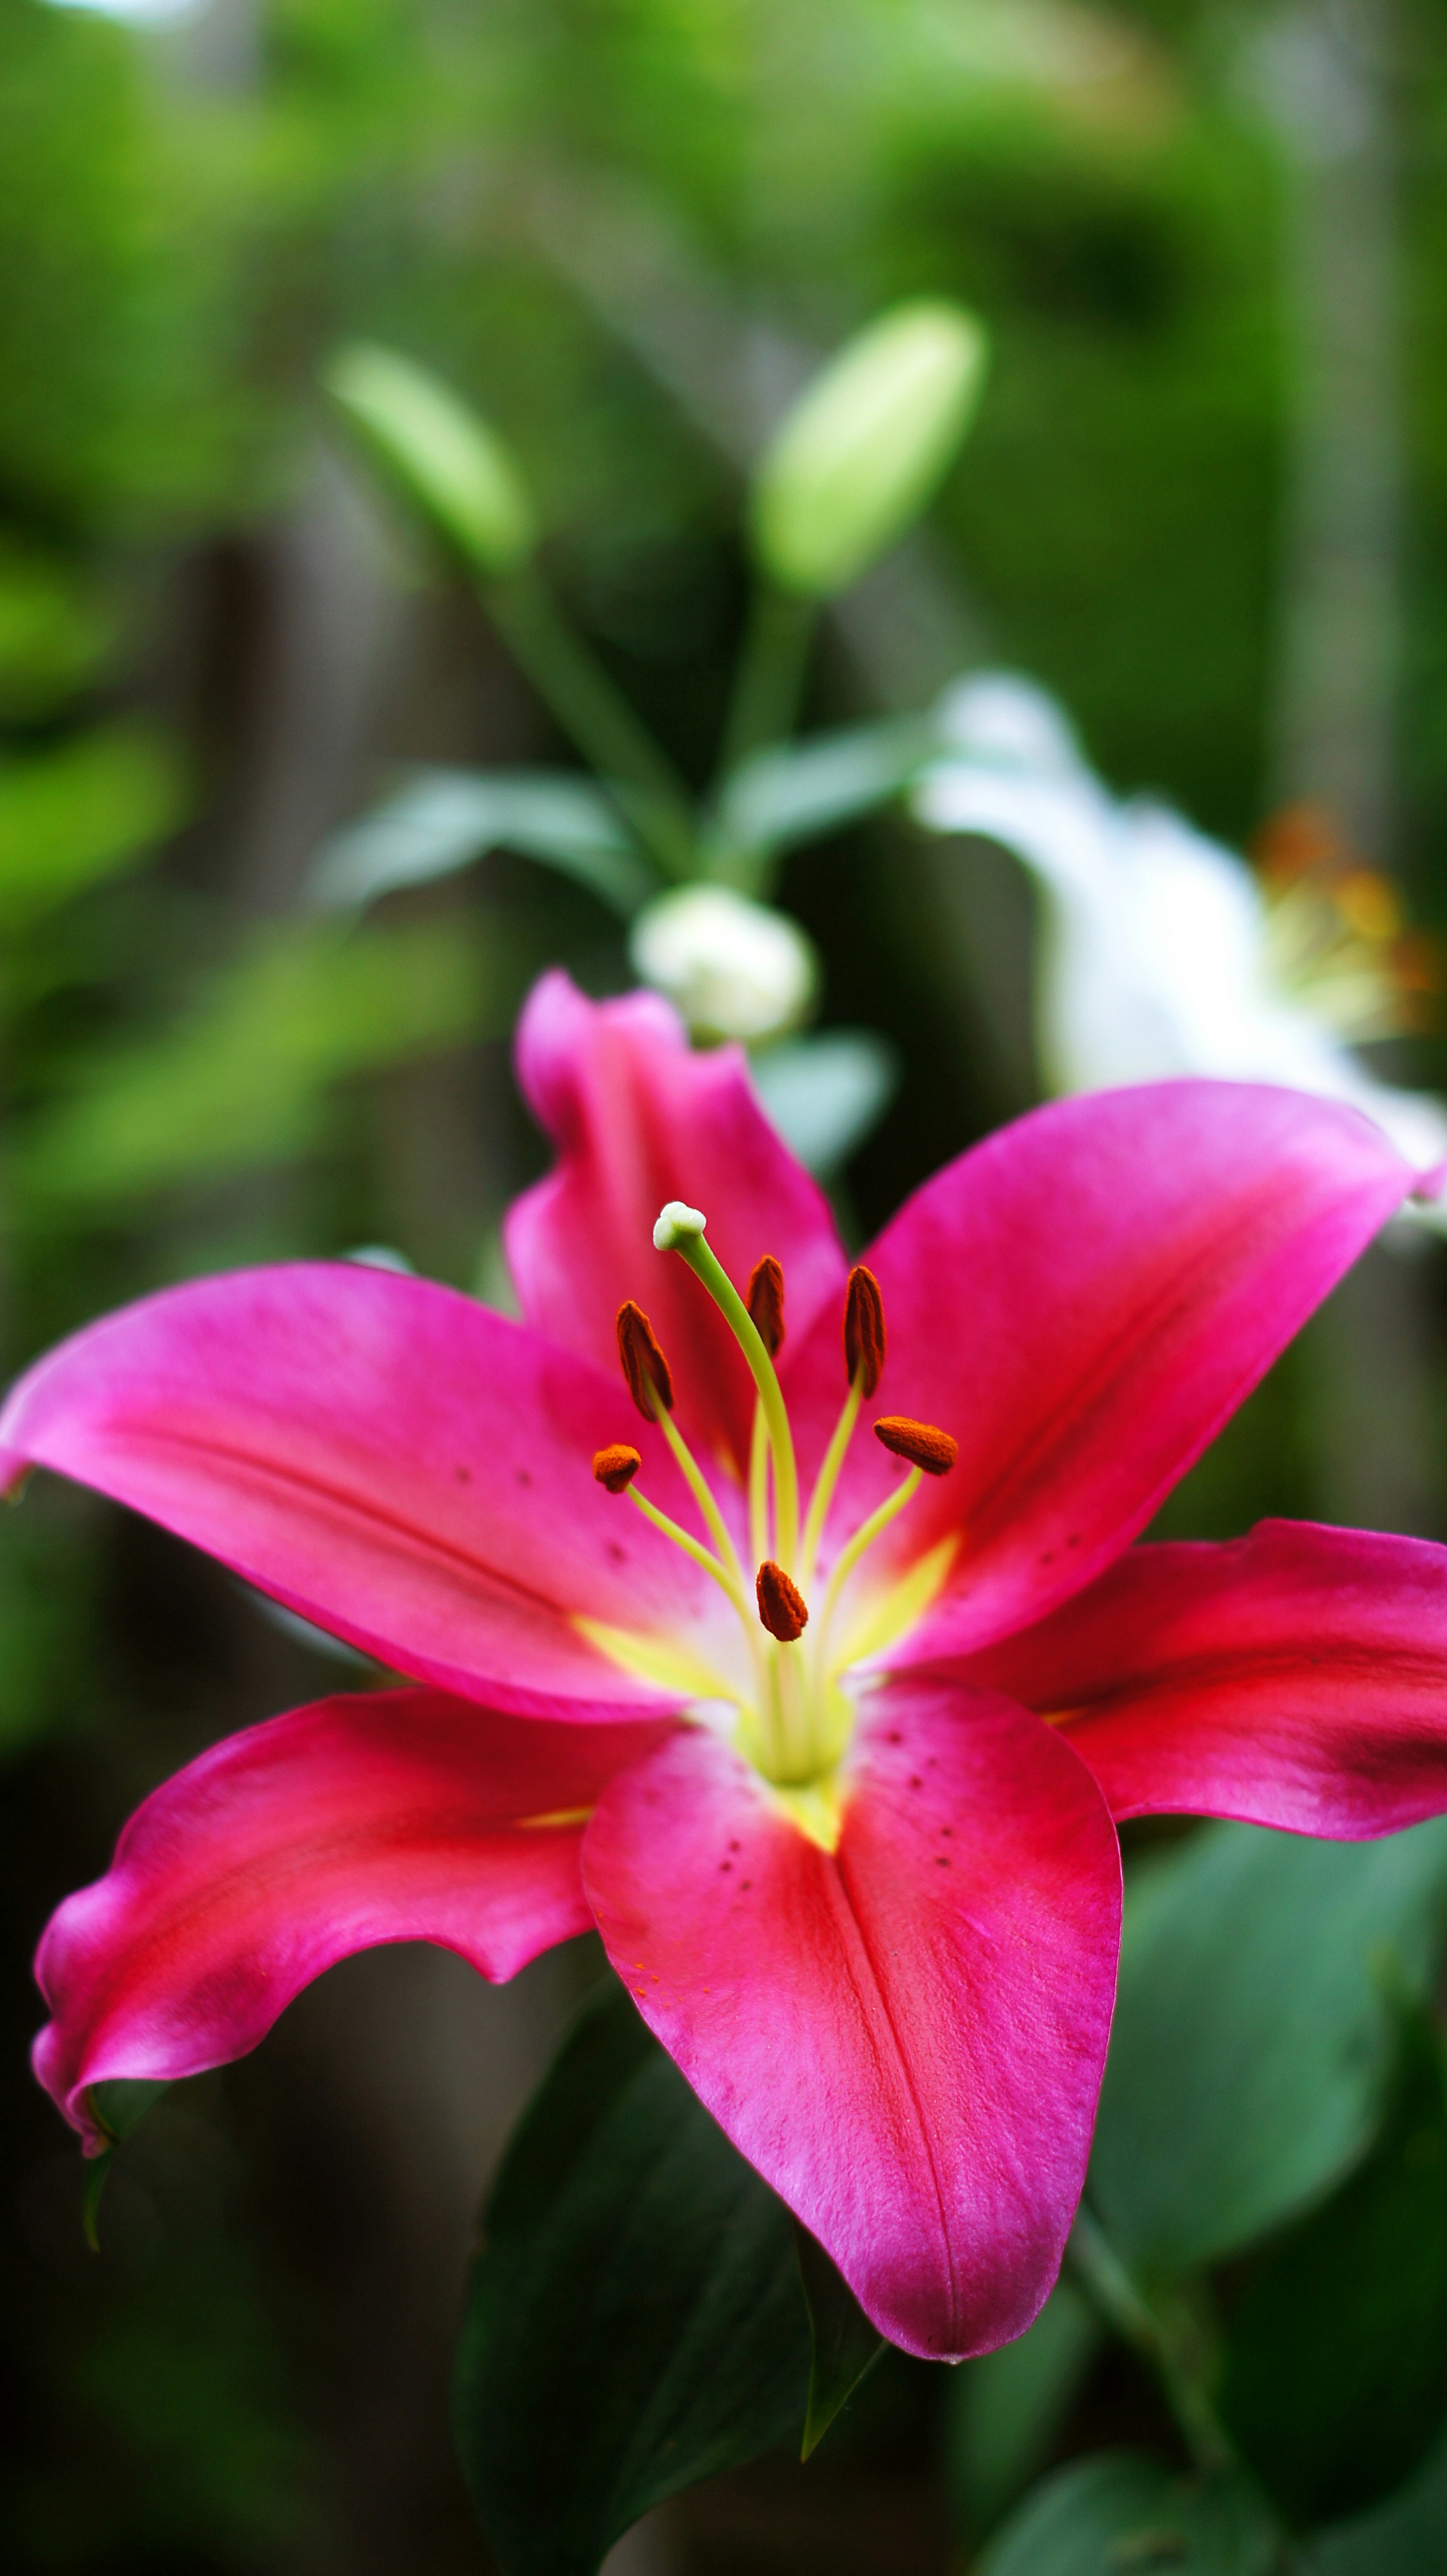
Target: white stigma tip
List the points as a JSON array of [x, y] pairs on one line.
[[675, 1221]]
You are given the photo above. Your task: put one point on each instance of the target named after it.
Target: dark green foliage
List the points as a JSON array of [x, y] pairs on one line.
[[1119, 2515]]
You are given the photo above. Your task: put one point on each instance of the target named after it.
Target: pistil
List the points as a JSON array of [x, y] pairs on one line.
[[680, 1229]]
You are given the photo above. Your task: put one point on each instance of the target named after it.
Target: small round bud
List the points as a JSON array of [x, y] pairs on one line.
[[675, 1223], [920, 1442], [616, 1466], [733, 968], [782, 1606]]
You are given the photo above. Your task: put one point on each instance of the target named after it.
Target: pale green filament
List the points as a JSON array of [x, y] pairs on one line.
[[703, 1262], [827, 1479], [691, 1547], [759, 1486], [698, 1487], [864, 1537]]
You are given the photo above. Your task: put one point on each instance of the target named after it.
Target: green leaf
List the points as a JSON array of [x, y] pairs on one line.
[[825, 1094], [444, 818], [1252, 2040], [242, 1080], [864, 448], [1336, 2358], [782, 797], [55, 632], [634, 2321], [441, 454], [71, 816], [1120, 2514], [1401, 2538], [1006, 2410], [845, 2343]]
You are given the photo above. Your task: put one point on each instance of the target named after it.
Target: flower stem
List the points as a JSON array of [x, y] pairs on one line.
[[1176, 2338], [770, 675]]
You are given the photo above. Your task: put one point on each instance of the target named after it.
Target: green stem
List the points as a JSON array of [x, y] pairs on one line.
[[1176, 2339], [597, 716], [770, 677], [705, 1265]]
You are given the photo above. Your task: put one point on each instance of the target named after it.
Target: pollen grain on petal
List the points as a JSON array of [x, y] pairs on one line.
[[920, 1442], [616, 1466], [643, 1361], [863, 1329], [765, 1302], [782, 1606]]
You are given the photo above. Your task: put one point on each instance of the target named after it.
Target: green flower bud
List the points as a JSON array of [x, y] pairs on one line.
[[865, 447], [439, 452]]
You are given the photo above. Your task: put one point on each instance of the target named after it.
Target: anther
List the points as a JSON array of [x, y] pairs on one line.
[[643, 1361], [863, 1329], [782, 1606], [920, 1442], [765, 1302], [616, 1466]]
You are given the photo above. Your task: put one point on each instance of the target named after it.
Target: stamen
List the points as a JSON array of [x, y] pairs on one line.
[[644, 1365], [616, 1466], [863, 1330], [765, 1302], [920, 1442], [782, 1606], [864, 1537], [680, 1229], [730, 1585]]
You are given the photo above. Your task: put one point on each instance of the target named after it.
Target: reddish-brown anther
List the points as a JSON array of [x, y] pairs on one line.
[[782, 1606], [765, 1302], [616, 1466], [920, 1442], [643, 1361], [863, 1329]]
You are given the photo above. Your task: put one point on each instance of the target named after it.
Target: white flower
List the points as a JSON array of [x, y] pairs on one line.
[[733, 968], [1159, 950]]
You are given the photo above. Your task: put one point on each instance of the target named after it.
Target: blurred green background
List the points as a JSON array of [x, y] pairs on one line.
[[1205, 502]]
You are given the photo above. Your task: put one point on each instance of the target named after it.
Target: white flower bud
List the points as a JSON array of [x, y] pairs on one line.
[[439, 452], [863, 449], [733, 968]]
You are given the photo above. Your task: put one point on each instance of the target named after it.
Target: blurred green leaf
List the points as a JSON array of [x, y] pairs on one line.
[[1119, 2514], [447, 460], [243, 1078], [1006, 2410], [784, 796], [443, 818], [845, 2343], [73, 815], [1401, 2538], [1336, 2354], [1252, 2040], [825, 1094], [635, 2320], [119, 2107], [862, 451], [54, 632]]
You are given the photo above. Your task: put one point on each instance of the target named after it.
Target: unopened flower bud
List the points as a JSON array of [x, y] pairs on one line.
[[644, 1365], [782, 1607], [435, 449], [920, 1442], [863, 1330], [616, 1466], [765, 1302], [733, 968], [863, 449]]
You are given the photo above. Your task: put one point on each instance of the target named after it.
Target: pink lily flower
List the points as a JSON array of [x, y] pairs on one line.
[[825, 1733]]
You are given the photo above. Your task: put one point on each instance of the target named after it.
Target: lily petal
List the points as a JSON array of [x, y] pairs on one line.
[[394, 1816], [639, 1119], [390, 1460], [905, 2036], [1296, 1678], [1082, 1301]]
